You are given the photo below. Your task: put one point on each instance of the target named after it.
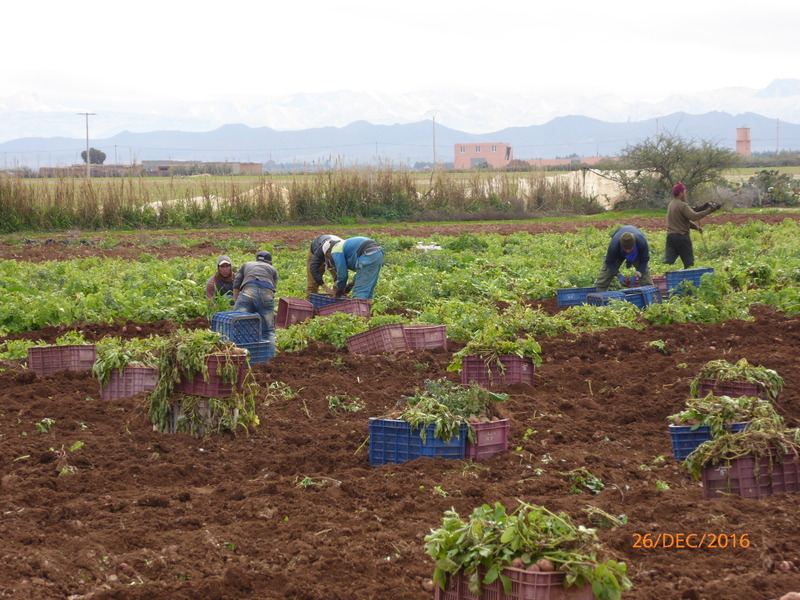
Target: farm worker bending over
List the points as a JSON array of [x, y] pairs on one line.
[[359, 254], [316, 263], [254, 292], [628, 245], [680, 218], [221, 283]]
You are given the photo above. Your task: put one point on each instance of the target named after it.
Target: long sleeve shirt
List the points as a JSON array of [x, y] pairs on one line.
[[680, 216]]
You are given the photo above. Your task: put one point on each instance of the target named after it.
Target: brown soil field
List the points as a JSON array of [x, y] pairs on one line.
[[153, 516]]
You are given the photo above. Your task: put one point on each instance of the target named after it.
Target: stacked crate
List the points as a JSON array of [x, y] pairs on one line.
[[244, 330]]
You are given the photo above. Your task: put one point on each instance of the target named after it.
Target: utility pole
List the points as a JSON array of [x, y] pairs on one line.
[[433, 114], [88, 158]]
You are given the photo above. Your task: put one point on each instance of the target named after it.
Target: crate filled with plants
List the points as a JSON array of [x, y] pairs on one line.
[[531, 553], [712, 416], [761, 461], [200, 362], [490, 359], [126, 367], [444, 420], [722, 378], [202, 386]]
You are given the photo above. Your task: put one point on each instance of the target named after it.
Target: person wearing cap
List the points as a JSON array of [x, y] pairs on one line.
[[627, 245], [254, 292], [359, 254], [221, 283], [317, 263], [680, 219]]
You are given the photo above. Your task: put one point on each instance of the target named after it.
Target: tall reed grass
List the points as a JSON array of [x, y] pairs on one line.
[[335, 196]]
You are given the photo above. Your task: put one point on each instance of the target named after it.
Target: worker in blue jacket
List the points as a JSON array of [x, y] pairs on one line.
[[362, 255], [628, 245]]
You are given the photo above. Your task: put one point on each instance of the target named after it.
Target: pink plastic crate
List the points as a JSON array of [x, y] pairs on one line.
[[517, 370], [744, 478], [131, 381], [525, 585], [660, 281], [490, 439], [734, 389], [423, 337], [386, 338], [291, 311], [354, 306], [215, 387], [45, 360]]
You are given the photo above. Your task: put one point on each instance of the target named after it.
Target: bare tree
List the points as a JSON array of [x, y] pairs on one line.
[[648, 170]]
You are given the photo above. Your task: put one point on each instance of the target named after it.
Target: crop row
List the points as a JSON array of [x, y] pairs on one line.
[[473, 280]]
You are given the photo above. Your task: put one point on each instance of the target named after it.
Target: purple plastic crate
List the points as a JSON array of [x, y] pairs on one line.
[[215, 387], [386, 338], [45, 360], [490, 439], [353, 306], [517, 370], [734, 389], [525, 585], [745, 477], [292, 311], [134, 379], [424, 337]]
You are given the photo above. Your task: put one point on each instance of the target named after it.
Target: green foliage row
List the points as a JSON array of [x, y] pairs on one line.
[[474, 283]]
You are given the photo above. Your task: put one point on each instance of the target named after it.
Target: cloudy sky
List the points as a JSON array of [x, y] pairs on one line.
[[95, 54]]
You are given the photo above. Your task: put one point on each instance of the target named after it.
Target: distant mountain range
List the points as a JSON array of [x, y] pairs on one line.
[[399, 145]]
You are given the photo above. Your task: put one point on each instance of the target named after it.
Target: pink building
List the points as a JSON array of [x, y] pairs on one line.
[[475, 153]]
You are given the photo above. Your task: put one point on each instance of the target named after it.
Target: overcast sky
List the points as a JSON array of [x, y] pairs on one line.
[[91, 54]]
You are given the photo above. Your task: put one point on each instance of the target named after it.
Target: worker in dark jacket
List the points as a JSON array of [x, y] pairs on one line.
[[628, 245], [359, 254], [254, 292], [316, 263], [221, 283]]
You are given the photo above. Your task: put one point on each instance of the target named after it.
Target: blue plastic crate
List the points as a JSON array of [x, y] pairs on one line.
[[394, 441], [685, 439], [390, 441], [237, 327], [634, 296], [651, 294], [573, 296], [319, 300], [436, 448], [603, 298], [259, 352], [674, 278]]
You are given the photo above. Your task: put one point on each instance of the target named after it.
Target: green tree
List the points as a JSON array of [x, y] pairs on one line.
[[96, 156], [648, 170]]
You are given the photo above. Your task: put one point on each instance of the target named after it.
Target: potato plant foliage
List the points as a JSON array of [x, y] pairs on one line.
[[471, 283]]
